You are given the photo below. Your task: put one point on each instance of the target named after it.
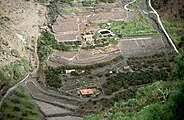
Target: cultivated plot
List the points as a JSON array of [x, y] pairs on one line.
[[141, 44]]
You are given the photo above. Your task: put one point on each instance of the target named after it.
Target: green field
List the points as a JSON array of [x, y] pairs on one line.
[[139, 26], [19, 106]]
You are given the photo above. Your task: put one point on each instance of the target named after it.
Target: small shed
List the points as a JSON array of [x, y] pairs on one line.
[[126, 68], [88, 37], [69, 71]]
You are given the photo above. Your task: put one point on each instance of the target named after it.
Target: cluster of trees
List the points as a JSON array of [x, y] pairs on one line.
[[52, 74], [52, 77], [44, 40], [47, 42], [114, 83], [170, 110], [106, 41], [123, 95], [162, 100], [53, 10], [161, 62]]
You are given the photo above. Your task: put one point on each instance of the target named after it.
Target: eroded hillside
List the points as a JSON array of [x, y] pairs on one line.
[[20, 21], [172, 15]]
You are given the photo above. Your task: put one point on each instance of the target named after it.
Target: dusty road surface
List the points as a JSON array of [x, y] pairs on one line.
[[64, 118], [39, 95]]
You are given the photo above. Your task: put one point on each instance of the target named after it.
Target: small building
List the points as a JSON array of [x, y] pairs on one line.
[[89, 39], [69, 71], [126, 68], [86, 92]]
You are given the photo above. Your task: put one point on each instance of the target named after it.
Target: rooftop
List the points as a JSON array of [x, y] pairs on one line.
[[87, 36], [86, 91]]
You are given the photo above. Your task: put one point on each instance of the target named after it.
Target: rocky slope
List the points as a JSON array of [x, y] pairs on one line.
[[20, 21], [172, 15]]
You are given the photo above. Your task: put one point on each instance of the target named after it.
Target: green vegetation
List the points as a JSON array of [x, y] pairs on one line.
[[3, 42], [155, 94], [41, 1], [15, 70], [146, 70], [106, 41], [52, 77], [102, 43], [112, 41], [4, 19], [47, 42], [121, 95], [125, 80], [137, 26], [87, 3], [69, 11], [135, 5], [146, 104], [19, 106], [175, 29], [53, 11], [161, 62], [178, 70], [162, 100], [92, 117]]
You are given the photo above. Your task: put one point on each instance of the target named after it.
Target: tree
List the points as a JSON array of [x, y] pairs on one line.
[[178, 70], [177, 103], [153, 112], [16, 108]]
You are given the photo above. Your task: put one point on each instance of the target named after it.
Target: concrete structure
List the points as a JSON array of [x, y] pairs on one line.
[[69, 71], [88, 39], [105, 33], [126, 68]]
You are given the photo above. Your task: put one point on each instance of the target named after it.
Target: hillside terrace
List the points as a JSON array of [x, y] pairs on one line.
[[68, 37], [69, 26]]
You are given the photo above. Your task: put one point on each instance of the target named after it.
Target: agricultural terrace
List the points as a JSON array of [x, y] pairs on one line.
[[83, 25], [89, 45]]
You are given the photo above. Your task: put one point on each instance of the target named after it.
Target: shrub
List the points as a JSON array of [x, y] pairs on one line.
[[114, 83], [16, 108]]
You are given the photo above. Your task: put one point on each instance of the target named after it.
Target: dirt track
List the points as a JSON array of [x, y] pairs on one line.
[[66, 103]]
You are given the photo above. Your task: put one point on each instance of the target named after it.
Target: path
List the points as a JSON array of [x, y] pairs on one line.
[[25, 78], [125, 6], [12, 88]]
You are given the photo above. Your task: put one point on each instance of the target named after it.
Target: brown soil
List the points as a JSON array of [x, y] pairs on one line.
[[169, 9]]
